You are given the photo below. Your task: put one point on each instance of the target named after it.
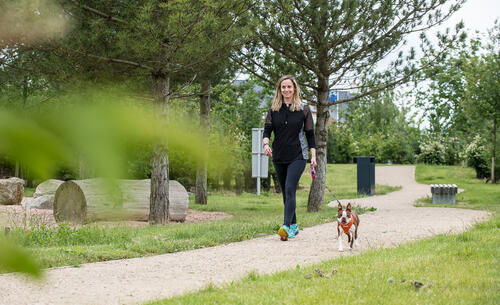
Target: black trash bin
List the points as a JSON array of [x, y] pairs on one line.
[[366, 174]]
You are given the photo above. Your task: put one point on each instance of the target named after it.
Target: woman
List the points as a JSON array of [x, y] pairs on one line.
[[292, 124]]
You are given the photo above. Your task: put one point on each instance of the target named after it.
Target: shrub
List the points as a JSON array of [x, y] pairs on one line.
[[340, 144], [432, 152], [475, 156]]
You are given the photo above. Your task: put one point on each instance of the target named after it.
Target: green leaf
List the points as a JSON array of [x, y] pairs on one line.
[[15, 259]]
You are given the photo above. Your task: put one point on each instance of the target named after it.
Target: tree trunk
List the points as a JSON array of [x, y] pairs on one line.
[[159, 203], [239, 182], [201, 172], [494, 149], [317, 190], [98, 199]]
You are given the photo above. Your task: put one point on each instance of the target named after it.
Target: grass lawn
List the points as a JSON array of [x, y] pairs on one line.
[[29, 191], [455, 269], [252, 216], [477, 194]]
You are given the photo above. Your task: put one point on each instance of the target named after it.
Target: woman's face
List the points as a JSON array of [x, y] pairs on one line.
[[287, 89]]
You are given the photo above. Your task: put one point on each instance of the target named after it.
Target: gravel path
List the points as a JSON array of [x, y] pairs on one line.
[[133, 281]]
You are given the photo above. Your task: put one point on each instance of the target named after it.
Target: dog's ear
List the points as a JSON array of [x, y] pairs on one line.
[[340, 206], [348, 206]]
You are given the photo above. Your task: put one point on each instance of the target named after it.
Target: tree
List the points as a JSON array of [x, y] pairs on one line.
[[236, 110], [463, 98], [381, 128], [483, 89], [165, 41], [215, 70], [327, 44]]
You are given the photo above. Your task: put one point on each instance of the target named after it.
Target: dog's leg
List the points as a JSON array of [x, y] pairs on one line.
[[340, 239], [351, 240], [356, 243]]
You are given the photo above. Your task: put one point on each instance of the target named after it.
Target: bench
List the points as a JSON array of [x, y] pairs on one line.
[[444, 193]]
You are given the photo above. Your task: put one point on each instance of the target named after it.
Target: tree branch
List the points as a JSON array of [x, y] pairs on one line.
[[113, 60], [99, 13]]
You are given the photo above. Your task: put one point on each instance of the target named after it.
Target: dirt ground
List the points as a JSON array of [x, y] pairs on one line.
[[17, 215], [138, 280]]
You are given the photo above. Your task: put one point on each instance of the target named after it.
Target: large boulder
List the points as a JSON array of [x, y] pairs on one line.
[[41, 202], [48, 187], [11, 191]]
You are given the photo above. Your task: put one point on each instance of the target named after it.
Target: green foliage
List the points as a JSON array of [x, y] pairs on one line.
[[340, 144], [475, 156], [100, 128], [462, 100], [236, 109], [432, 152], [15, 259], [374, 127]]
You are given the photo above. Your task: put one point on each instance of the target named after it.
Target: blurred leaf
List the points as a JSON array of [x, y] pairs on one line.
[[102, 129], [14, 259]]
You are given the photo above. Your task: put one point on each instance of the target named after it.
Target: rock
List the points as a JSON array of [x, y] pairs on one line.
[[42, 202], [48, 187], [11, 191]]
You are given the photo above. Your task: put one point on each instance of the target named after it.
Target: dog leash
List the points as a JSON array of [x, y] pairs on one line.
[[332, 194], [313, 175]]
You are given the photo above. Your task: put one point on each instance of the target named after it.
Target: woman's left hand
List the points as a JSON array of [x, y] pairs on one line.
[[313, 161]]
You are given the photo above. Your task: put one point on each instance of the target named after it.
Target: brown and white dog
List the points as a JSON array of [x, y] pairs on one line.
[[347, 223]]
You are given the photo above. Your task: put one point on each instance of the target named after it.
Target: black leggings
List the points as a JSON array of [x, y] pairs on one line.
[[289, 176]]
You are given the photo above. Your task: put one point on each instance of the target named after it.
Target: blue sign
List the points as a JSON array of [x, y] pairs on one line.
[[332, 95]]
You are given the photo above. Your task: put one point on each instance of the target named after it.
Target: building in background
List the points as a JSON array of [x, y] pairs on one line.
[[335, 110]]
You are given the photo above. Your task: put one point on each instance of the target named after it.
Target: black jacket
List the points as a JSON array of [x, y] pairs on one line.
[[291, 128]]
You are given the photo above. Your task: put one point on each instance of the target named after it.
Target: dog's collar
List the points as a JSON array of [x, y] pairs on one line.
[[346, 227]]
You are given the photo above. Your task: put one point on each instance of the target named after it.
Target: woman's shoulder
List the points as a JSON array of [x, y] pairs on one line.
[[305, 108]]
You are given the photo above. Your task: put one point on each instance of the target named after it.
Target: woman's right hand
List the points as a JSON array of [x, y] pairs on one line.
[[268, 151]]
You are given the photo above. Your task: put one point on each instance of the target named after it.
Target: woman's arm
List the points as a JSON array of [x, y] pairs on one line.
[[313, 157], [309, 130], [268, 128], [267, 148]]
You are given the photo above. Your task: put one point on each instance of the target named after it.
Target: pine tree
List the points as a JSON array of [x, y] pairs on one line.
[[164, 40], [328, 44]]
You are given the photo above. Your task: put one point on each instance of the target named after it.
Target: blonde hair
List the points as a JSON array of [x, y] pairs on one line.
[[278, 97]]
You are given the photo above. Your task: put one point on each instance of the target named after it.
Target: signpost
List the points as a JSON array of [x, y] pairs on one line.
[[259, 159]]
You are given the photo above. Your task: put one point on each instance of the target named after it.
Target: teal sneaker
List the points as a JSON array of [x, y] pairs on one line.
[[285, 233], [295, 229]]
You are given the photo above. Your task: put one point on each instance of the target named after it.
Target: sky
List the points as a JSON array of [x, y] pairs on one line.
[[477, 15]]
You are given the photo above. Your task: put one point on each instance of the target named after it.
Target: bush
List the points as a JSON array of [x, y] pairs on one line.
[[475, 156], [340, 144], [432, 152]]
